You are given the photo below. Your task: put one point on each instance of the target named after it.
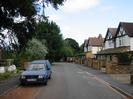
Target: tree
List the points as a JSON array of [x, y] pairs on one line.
[[81, 48], [54, 3], [67, 51], [70, 48], [23, 8], [51, 33], [73, 44], [36, 49], [25, 11], [10, 10]]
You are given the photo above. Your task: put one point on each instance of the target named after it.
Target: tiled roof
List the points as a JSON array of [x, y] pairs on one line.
[[128, 27], [114, 50], [113, 31], [93, 41]]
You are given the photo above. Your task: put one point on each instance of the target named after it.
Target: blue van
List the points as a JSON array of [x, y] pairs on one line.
[[38, 71]]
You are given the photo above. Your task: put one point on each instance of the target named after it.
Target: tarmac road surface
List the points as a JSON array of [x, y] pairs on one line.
[[68, 82]]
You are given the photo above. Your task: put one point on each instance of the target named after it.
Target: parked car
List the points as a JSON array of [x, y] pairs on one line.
[[38, 71]]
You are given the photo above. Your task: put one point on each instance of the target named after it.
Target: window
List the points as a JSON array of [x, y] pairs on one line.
[[120, 42], [110, 43], [37, 67]]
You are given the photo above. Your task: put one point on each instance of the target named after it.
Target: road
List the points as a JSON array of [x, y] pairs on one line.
[[69, 81]]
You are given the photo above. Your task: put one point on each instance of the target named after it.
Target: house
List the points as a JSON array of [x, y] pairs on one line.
[[85, 45], [94, 45], [118, 40], [124, 36], [118, 48], [109, 41]]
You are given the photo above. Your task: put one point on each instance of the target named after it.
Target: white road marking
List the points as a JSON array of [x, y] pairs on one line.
[[91, 76], [80, 72], [88, 77]]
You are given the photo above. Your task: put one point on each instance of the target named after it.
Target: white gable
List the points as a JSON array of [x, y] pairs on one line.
[[109, 43], [121, 32], [122, 38], [109, 35]]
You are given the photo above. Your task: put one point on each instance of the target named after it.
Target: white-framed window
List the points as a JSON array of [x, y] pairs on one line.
[[110, 43], [120, 42]]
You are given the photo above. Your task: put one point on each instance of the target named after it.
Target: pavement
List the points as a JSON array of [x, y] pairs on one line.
[[124, 88], [9, 84]]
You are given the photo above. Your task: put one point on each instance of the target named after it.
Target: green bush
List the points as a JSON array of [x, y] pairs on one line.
[[36, 49], [124, 58], [6, 75]]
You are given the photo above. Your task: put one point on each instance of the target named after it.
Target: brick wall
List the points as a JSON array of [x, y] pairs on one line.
[[112, 68], [90, 62], [96, 64]]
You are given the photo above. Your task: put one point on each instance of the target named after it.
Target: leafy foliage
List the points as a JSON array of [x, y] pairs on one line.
[[10, 9], [124, 58], [70, 47], [73, 44], [67, 51], [36, 49], [51, 33], [24, 30], [25, 11], [81, 48], [6, 75], [54, 3]]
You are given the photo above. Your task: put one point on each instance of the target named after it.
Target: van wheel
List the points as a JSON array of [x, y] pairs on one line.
[[49, 77], [22, 83], [46, 82]]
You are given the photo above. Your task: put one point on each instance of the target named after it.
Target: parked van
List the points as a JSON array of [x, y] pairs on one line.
[[38, 71]]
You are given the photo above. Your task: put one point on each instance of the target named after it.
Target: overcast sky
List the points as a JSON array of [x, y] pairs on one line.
[[80, 19]]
